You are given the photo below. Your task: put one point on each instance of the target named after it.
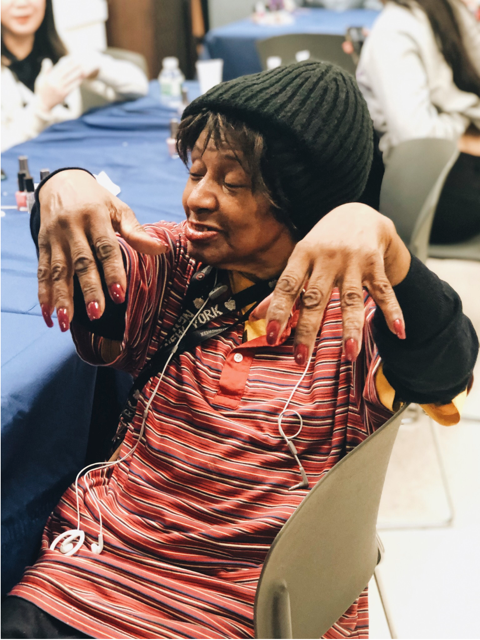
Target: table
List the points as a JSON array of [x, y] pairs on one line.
[[47, 391], [235, 42]]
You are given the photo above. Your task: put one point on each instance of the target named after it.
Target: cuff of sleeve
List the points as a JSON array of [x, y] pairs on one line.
[[35, 213], [446, 414]]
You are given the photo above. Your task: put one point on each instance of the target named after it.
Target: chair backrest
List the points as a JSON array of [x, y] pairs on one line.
[[90, 99], [326, 552], [415, 172], [135, 58], [323, 47]]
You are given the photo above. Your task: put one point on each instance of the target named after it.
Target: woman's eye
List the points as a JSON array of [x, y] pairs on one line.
[[232, 185], [195, 176]]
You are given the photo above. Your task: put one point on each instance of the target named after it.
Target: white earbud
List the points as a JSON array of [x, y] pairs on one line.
[[66, 539], [97, 547]]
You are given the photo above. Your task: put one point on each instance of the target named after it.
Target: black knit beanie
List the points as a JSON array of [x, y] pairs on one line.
[[317, 128]]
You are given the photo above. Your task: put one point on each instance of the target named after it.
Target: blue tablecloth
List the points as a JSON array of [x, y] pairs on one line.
[[235, 42], [47, 391]]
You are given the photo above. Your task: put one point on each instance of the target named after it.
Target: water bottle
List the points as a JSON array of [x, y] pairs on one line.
[[171, 80]]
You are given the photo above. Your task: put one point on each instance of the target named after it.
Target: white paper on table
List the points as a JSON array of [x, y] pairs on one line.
[[103, 179]]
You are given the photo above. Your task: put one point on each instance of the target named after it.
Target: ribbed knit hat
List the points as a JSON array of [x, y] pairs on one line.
[[318, 131]]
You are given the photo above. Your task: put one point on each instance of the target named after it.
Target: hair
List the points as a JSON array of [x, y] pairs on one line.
[[445, 26], [259, 156], [47, 43]]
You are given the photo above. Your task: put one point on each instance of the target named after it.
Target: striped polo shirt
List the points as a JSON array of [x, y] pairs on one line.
[[189, 517]]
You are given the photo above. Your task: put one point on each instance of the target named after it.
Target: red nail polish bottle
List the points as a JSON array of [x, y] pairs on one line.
[[21, 194]]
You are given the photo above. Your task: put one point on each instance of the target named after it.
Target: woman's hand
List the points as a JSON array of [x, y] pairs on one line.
[[55, 83], [351, 247], [470, 141], [79, 219]]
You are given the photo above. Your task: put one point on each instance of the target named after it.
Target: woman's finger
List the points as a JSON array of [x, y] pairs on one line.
[[382, 292], [287, 290], [313, 301], [61, 275], [127, 225], [45, 285], [353, 311], [85, 267], [108, 253], [261, 311]]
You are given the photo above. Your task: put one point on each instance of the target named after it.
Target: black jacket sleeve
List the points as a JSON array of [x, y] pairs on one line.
[[112, 323], [435, 362]]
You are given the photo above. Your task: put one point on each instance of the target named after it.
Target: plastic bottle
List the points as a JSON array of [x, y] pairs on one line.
[[171, 80]]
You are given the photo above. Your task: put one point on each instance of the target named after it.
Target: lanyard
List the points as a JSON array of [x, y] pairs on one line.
[[202, 287]]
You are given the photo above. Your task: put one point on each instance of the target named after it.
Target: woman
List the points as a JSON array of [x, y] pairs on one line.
[[41, 82], [169, 540], [419, 71]]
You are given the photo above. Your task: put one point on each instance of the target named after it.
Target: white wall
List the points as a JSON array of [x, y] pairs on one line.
[[224, 11]]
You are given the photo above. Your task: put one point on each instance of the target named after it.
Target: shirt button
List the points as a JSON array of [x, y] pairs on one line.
[[238, 357]]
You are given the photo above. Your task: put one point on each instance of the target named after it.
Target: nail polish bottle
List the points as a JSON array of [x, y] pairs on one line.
[[23, 165], [172, 140], [30, 187], [21, 194], [44, 173]]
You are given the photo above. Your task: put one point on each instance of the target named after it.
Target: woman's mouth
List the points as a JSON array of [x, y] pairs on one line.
[[200, 233], [22, 19]]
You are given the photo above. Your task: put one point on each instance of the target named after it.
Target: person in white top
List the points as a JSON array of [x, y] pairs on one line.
[[41, 81], [419, 72]]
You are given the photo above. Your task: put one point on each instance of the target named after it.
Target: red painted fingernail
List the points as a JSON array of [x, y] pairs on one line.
[[301, 354], [399, 329], [93, 310], [351, 348], [63, 321], [117, 293], [47, 315], [273, 329]]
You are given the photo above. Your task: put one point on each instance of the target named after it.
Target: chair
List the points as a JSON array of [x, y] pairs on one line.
[[414, 176], [326, 553], [321, 47], [132, 56], [468, 250], [90, 99]]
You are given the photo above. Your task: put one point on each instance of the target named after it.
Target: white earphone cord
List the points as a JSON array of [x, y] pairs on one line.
[[67, 547]]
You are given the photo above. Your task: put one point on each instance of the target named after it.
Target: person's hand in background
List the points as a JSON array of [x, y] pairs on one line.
[[55, 83], [90, 63], [470, 141]]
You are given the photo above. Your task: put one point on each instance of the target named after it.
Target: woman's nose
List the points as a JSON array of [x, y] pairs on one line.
[[202, 198]]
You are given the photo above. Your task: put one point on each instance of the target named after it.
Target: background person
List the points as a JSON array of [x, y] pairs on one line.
[[419, 71], [40, 80]]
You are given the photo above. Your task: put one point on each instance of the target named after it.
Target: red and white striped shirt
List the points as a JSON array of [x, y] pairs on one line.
[[189, 517]]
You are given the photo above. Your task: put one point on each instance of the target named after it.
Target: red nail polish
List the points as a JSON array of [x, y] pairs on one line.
[[93, 310], [117, 293], [63, 321], [399, 329], [301, 354], [273, 329], [351, 348], [46, 315]]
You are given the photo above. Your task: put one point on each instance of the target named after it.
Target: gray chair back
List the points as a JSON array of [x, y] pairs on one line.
[[323, 47], [467, 250], [415, 172], [90, 99], [326, 553]]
